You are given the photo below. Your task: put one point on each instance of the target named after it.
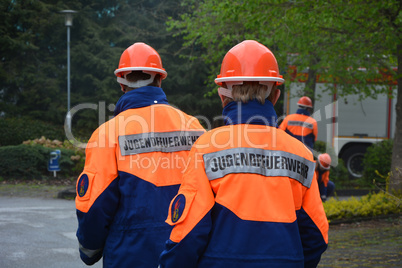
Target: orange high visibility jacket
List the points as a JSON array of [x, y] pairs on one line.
[[133, 168], [248, 199], [301, 126]]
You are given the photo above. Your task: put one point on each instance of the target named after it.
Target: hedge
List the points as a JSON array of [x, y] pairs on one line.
[[377, 163], [368, 206], [31, 161], [16, 130]]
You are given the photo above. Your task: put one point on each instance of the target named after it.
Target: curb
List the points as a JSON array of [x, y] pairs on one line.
[[68, 193]]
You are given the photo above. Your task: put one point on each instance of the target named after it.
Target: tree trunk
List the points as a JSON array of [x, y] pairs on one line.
[[309, 90], [395, 183]]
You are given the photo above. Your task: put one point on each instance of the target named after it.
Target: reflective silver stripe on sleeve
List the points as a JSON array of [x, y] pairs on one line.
[[158, 142], [258, 161], [89, 252], [300, 124]]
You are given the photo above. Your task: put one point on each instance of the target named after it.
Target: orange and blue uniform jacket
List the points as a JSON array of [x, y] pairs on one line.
[[301, 126], [248, 198], [133, 168]]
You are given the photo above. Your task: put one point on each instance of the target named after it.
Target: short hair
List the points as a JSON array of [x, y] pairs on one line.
[[134, 76], [249, 90]]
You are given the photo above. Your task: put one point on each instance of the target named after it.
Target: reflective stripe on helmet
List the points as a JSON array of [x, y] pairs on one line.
[[249, 78], [145, 69]]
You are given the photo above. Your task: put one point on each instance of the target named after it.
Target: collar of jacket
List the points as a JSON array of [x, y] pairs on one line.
[[303, 111], [140, 97], [252, 112]]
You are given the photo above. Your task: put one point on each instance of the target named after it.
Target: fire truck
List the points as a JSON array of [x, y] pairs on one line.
[[347, 124]]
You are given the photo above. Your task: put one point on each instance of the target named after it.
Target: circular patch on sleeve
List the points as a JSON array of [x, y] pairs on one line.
[[178, 207], [82, 186]]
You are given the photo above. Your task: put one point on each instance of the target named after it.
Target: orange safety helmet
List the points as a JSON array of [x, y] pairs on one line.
[[139, 57], [305, 102], [324, 160], [249, 61]]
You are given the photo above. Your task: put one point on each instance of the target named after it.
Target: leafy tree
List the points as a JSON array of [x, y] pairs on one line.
[[28, 68], [33, 58], [371, 33], [335, 38], [145, 21]]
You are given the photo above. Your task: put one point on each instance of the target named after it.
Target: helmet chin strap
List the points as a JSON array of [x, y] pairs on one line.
[[225, 92], [136, 84], [228, 91]]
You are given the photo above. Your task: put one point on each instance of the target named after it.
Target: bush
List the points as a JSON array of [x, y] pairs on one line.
[[16, 130], [22, 161], [371, 205], [30, 162], [377, 163], [340, 176], [320, 146]]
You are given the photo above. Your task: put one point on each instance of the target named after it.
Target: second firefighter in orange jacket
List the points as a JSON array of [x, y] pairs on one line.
[[301, 125], [133, 168], [249, 197]]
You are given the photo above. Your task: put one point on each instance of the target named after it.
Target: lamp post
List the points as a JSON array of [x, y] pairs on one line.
[[68, 22]]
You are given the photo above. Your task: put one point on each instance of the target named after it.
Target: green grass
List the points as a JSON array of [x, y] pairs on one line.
[[375, 243], [32, 189]]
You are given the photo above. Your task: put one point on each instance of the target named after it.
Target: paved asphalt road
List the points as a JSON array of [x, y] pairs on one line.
[[38, 233]]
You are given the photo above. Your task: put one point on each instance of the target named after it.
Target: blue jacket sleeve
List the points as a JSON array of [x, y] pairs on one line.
[[312, 239], [187, 252], [93, 226]]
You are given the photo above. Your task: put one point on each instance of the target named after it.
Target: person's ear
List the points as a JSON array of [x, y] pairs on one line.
[[276, 95]]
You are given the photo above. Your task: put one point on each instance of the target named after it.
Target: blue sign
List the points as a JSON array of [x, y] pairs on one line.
[[53, 164]]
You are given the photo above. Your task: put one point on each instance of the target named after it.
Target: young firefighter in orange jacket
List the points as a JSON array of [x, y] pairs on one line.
[[133, 168], [301, 125], [249, 197]]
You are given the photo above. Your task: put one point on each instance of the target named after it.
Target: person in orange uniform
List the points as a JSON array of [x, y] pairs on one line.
[[326, 186], [133, 168], [301, 125], [249, 197]]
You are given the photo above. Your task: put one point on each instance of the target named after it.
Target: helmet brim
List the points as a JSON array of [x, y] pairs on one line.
[[221, 80], [305, 106], [146, 69]]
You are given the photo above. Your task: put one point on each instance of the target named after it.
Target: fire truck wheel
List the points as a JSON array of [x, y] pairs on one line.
[[353, 159]]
